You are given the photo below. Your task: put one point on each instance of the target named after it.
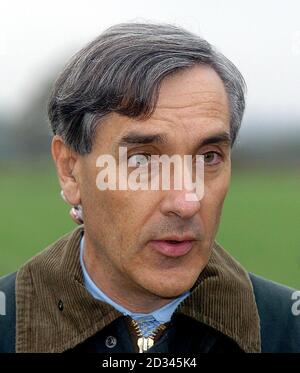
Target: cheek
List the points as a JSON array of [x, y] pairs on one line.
[[212, 202], [118, 217], [129, 213], [135, 210], [101, 212]]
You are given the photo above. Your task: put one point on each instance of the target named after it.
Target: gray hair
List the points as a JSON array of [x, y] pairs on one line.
[[121, 72]]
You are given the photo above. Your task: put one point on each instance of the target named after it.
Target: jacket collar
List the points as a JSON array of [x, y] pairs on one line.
[[55, 312]]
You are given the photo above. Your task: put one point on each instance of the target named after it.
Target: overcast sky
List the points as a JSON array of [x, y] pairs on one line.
[[261, 37]]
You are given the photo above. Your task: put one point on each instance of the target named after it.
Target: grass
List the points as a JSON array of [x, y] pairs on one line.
[[260, 222]]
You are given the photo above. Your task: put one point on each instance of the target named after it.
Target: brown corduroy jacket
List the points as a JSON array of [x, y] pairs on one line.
[[55, 313]]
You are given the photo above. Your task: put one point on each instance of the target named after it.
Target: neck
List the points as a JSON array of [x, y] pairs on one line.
[[130, 296]]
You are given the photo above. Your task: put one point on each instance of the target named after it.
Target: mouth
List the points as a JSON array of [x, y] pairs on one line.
[[173, 247]]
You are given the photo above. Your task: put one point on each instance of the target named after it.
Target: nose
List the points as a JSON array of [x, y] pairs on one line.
[[177, 202]]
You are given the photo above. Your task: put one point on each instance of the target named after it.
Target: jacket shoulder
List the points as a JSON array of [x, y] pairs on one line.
[[7, 313], [280, 325]]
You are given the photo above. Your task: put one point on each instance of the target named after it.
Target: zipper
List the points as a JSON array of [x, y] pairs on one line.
[[144, 343]]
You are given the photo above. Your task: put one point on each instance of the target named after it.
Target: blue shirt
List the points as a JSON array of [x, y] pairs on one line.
[[162, 315]]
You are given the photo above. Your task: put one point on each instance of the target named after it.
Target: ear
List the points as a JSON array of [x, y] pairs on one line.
[[66, 161]]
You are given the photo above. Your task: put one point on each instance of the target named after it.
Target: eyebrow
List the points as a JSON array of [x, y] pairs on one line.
[[133, 138], [222, 137], [140, 138]]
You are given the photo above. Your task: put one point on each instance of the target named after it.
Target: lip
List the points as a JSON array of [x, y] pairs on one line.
[[174, 237], [181, 248]]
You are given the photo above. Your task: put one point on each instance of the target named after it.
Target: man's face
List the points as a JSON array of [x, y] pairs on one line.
[[122, 227]]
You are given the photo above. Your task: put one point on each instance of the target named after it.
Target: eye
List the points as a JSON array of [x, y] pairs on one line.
[[138, 160], [212, 158]]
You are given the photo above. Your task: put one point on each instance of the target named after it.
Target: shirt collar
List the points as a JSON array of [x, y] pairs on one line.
[[161, 315]]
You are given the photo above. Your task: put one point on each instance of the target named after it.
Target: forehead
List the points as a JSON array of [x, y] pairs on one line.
[[198, 85], [193, 101]]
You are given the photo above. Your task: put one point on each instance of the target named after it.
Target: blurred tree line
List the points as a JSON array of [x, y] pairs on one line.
[[26, 136]]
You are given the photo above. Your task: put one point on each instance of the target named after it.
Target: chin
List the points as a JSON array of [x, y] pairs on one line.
[[172, 289], [169, 281], [171, 293]]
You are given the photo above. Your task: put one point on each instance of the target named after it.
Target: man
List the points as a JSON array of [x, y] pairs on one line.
[[144, 273]]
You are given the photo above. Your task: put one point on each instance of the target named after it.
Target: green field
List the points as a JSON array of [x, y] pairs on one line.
[[260, 224]]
